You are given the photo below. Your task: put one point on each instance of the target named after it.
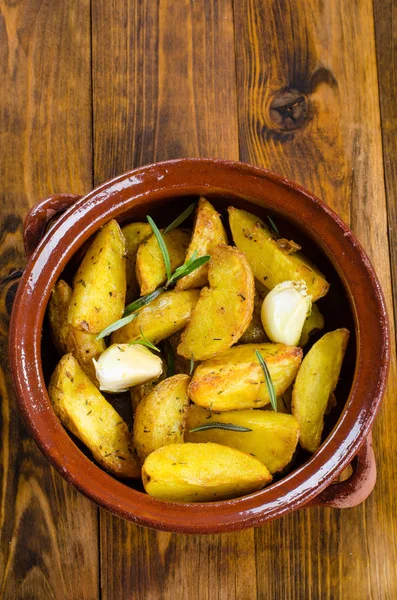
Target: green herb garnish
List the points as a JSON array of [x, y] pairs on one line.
[[163, 247], [269, 382], [191, 365], [273, 225], [190, 265], [143, 341], [137, 304], [225, 426], [116, 325], [182, 217]]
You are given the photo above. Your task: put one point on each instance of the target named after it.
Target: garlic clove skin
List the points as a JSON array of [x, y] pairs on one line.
[[284, 311], [122, 366]]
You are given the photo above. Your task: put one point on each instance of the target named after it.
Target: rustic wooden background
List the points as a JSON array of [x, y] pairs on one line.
[[90, 89]]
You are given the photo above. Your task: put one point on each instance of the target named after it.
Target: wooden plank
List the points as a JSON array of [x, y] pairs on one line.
[[48, 531], [166, 102], [308, 108]]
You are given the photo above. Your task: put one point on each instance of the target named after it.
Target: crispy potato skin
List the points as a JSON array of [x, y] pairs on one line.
[[160, 416], [316, 379], [165, 315], [66, 338], [135, 234], [234, 380], [202, 472], [208, 233], [271, 263], [84, 411], [273, 438], [224, 310], [150, 268], [100, 282], [314, 322]]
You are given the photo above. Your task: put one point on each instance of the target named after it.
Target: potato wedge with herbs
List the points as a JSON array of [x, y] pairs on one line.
[[83, 410], [224, 310], [100, 282], [84, 346], [160, 416], [313, 323], [273, 262], [150, 267], [273, 437], [208, 233], [201, 473], [234, 379], [135, 234], [165, 315], [316, 379]]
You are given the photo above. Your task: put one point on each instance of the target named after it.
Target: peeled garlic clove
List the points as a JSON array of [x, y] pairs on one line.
[[284, 311], [123, 365]]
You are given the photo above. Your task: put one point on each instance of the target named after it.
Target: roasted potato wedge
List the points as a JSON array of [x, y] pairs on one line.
[[208, 233], [273, 262], [160, 416], [234, 379], [150, 267], [100, 282], [66, 338], [316, 379], [202, 472], [224, 310], [273, 439], [83, 410], [313, 323], [139, 392], [255, 334], [135, 234], [165, 315]]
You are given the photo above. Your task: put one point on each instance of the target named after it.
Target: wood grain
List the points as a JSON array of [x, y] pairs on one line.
[[47, 529], [288, 51]]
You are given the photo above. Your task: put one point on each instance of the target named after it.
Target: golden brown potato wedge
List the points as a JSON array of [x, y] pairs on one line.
[[100, 282], [208, 233], [160, 416], [84, 411], [273, 439], [273, 262], [139, 392], [316, 379], [224, 310], [234, 379], [150, 267], [202, 472], [313, 323], [165, 315], [81, 344], [255, 334], [135, 234]]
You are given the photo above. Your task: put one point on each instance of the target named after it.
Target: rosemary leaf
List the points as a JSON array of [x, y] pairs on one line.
[[269, 382], [143, 341], [273, 225], [115, 326], [163, 247], [182, 217], [225, 426], [191, 365], [137, 304], [191, 265]]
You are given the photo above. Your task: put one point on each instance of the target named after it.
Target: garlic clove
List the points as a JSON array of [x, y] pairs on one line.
[[122, 366], [284, 311]]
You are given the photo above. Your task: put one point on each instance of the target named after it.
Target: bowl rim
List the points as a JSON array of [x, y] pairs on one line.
[[183, 177]]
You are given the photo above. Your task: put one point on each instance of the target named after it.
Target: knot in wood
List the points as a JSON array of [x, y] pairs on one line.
[[288, 109]]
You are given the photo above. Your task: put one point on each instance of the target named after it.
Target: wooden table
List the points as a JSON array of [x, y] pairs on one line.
[[90, 89]]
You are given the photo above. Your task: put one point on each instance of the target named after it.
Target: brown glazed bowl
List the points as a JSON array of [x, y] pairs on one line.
[[355, 300]]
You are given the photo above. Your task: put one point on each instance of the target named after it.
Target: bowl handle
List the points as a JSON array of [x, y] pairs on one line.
[[358, 487], [42, 216]]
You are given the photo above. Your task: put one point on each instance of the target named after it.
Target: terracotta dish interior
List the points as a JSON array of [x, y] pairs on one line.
[[300, 217]]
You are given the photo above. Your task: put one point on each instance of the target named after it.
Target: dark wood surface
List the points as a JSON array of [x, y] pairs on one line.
[[90, 89]]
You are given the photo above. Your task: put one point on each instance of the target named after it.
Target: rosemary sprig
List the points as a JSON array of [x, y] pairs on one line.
[[137, 304], [116, 325], [182, 217], [191, 365], [269, 382], [273, 225], [143, 341], [163, 247], [216, 425], [190, 265]]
